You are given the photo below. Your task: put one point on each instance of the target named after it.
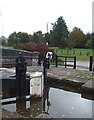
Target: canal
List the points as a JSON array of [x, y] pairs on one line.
[[56, 101]]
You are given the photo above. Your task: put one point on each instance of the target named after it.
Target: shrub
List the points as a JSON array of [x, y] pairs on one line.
[[40, 47], [27, 46]]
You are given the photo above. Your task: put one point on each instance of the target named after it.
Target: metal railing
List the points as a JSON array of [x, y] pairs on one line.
[[65, 61]]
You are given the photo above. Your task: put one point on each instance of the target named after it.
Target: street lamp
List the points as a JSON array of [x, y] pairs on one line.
[[47, 25], [16, 38]]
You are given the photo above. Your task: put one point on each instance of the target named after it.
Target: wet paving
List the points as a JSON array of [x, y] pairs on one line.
[[81, 65]]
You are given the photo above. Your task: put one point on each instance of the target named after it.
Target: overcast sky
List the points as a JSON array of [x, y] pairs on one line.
[[32, 15]]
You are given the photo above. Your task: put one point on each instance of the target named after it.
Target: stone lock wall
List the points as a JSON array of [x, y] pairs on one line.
[[8, 56]]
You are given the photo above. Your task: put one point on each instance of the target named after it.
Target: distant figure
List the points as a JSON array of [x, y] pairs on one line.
[[41, 69], [39, 60]]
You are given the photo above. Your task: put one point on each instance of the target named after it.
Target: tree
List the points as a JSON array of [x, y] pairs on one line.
[[88, 40], [77, 38], [23, 37], [16, 38], [12, 39], [37, 36], [59, 34], [93, 41], [47, 38]]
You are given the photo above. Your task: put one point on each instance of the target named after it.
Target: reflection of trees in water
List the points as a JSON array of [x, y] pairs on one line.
[[37, 105]]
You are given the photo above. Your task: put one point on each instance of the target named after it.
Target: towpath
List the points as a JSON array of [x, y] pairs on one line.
[[75, 75]]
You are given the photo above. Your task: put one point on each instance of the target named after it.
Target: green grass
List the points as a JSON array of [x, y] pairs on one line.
[[6, 46], [70, 76], [81, 54]]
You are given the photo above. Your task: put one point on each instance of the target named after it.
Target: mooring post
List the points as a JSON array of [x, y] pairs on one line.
[[65, 62], [74, 62], [56, 60], [20, 77], [91, 63]]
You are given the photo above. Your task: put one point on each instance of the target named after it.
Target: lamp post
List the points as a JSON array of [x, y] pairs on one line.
[[16, 38], [47, 25]]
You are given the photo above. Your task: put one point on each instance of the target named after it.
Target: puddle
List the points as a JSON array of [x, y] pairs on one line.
[[56, 102]]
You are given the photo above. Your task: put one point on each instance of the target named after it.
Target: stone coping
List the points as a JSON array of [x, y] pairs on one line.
[[68, 76]]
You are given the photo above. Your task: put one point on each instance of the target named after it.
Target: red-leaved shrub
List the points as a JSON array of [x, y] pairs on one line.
[[40, 47]]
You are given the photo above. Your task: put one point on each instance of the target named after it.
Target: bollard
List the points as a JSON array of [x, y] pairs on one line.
[[87, 53], [75, 62], [74, 52], [91, 62], [56, 60], [20, 77], [65, 62]]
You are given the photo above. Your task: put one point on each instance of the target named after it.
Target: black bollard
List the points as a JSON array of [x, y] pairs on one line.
[[56, 60], [65, 62], [91, 63], [74, 62], [20, 77], [74, 52]]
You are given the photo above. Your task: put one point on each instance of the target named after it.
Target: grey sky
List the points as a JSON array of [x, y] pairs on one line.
[[32, 15]]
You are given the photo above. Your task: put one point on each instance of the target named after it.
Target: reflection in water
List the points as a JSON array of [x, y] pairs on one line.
[[46, 102], [35, 106], [56, 102], [21, 107], [69, 105]]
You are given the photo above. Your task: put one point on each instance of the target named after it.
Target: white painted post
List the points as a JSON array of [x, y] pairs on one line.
[[36, 84]]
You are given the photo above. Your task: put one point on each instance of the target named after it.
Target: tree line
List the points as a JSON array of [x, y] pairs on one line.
[[59, 36]]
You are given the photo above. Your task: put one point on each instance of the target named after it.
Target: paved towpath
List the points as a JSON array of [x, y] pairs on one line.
[[71, 73], [81, 65], [61, 72]]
